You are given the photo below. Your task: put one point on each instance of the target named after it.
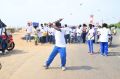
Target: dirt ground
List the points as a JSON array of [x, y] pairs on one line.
[[26, 62]]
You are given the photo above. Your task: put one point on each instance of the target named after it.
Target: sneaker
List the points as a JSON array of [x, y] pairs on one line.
[[105, 55], [63, 68], [45, 66]]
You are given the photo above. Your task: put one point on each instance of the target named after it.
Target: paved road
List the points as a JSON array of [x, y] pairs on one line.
[[27, 63]]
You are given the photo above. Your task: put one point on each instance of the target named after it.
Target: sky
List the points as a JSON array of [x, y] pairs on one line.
[[18, 12]]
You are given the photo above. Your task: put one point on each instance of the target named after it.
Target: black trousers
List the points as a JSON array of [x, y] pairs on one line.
[[84, 37]]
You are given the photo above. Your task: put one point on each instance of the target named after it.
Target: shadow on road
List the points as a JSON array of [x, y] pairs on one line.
[[117, 53], [114, 46], [80, 68], [75, 68], [13, 52]]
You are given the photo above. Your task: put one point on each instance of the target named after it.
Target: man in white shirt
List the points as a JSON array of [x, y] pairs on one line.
[[79, 33], [29, 32], [73, 35], [51, 34], [46, 30], [104, 32], [60, 45], [44, 34], [67, 34], [90, 37]]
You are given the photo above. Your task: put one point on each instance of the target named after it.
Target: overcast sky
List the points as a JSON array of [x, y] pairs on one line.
[[18, 12]]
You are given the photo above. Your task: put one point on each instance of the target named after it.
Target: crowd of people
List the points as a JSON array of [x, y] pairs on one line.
[[61, 35], [44, 33]]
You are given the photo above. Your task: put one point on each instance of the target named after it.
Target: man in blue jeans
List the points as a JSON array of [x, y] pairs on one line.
[[60, 45], [90, 39], [29, 31], [104, 32]]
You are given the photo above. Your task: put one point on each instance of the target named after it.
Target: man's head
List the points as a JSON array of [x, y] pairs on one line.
[[104, 25], [58, 24], [29, 24], [79, 26], [41, 25], [90, 26], [84, 25], [65, 25]]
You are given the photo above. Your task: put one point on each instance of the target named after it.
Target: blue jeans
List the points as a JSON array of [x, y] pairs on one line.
[[104, 48], [56, 50], [28, 37], [90, 45]]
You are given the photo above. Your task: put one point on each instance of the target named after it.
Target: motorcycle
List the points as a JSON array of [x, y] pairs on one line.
[[7, 43]]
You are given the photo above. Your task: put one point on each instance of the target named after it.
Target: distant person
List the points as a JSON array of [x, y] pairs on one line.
[[39, 35], [73, 35], [67, 34], [29, 32], [44, 34], [104, 32], [3, 43], [51, 34], [79, 33], [84, 32], [95, 34], [36, 37], [46, 30], [98, 35], [90, 37], [60, 46]]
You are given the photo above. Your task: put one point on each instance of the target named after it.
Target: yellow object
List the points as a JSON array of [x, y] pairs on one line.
[[44, 34]]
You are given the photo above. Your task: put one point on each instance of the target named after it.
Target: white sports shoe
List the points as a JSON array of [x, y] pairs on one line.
[[63, 68]]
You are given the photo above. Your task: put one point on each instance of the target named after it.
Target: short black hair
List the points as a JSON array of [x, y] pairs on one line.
[[84, 25], [79, 25], [41, 25], [90, 26], [105, 25], [65, 25], [57, 24]]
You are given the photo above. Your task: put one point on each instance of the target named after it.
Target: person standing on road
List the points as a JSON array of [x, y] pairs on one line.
[[90, 36], [79, 33], [84, 32], [104, 32], [29, 31], [67, 34], [60, 45]]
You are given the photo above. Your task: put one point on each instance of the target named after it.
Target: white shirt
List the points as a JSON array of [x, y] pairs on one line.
[[73, 32], [43, 31], [2, 30], [39, 34], [51, 31], [79, 31], [59, 38], [45, 28], [91, 34], [29, 29], [67, 30], [104, 35]]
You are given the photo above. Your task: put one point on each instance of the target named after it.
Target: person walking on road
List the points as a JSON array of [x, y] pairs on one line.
[[90, 36], [29, 31], [104, 34]]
